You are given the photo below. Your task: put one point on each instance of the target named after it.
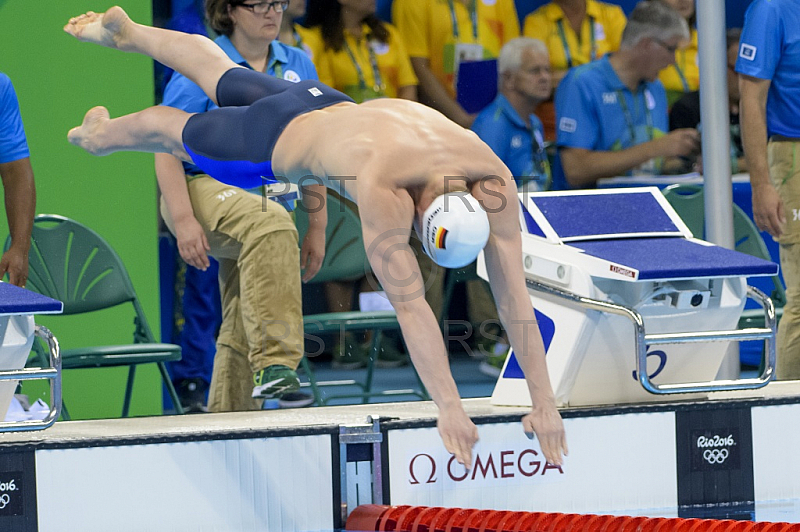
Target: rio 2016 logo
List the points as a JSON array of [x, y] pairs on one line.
[[715, 448]]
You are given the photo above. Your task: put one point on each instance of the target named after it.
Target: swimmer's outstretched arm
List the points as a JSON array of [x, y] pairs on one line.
[[194, 56], [504, 265], [386, 221]]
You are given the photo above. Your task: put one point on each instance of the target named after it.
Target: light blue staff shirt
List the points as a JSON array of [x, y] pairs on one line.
[[503, 129], [13, 144], [596, 111], [182, 93], [770, 49]]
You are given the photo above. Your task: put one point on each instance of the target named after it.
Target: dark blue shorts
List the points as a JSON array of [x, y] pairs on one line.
[[234, 143]]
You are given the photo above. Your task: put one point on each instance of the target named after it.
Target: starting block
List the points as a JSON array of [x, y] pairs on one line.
[[17, 331], [630, 306]]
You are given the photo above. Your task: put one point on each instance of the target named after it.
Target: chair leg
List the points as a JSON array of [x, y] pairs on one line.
[[374, 350], [176, 402], [64, 412], [423, 392], [126, 406]]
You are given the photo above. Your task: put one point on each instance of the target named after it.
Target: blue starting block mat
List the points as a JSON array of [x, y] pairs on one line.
[[17, 301], [676, 258], [618, 214], [635, 234]]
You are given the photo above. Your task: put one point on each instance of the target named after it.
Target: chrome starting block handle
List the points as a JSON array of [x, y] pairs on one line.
[[52, 373], [643, 340]]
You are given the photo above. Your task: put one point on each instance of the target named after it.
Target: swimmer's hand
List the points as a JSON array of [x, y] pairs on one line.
[[459, 434], [545, 422]]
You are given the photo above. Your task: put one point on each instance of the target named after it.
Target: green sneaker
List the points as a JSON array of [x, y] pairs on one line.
[[274, 381]]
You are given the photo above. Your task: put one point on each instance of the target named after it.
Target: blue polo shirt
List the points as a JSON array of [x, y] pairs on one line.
[[503, 129], [289, 63], [13, 144], [774, 53], [596, 111]]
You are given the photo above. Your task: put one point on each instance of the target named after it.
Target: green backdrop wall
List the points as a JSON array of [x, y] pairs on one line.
[[57, 80]]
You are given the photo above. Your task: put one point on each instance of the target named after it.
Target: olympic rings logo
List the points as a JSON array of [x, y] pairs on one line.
[[4, 500], [715, 456]]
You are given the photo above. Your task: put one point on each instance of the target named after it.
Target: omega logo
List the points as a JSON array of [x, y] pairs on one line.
[[422, 469]]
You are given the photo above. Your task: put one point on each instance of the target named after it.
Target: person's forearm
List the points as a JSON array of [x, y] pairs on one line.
[[434, 94], [583, 168], [172, 182], [754, 128], [20, 200]]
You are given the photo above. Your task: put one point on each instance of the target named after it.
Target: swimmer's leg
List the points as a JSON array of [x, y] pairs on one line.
[[194, 56], [153, 130]]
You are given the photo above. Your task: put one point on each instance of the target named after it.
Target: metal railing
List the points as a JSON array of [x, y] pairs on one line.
[[52, 373], [642, 340]]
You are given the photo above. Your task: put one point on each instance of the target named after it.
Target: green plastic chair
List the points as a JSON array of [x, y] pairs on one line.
[[688, 202], [346, 260], [73, 264]]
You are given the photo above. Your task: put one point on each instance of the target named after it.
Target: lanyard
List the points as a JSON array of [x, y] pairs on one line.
[[473, 14], [629, 118], [378, 86], [680, 71], [567, 53], [278, 69], [541, 165], [298, 39]]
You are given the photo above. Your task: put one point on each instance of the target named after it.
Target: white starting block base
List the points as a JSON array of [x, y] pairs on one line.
[[607, 273]]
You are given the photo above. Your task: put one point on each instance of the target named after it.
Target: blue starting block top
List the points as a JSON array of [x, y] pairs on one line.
[[15, 300], [636, 231], [677, 258], [584, 216]]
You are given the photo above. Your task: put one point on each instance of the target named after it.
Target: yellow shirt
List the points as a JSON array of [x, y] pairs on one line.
[[427, 30], [337, 69], [684, 75], [606, 35]]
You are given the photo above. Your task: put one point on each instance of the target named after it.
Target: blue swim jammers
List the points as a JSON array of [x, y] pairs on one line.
[[234, 143]]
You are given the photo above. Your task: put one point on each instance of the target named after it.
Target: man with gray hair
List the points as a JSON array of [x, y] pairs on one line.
[[508, 125], [612, 113]]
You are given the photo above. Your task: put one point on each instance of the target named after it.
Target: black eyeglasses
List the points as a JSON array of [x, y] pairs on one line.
[[670, 48], [262, 8]]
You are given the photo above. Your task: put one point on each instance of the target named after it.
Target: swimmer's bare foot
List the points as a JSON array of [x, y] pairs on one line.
[[105, 29], [89, 135]]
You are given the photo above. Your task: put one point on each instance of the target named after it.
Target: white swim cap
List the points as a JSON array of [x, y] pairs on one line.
[[454, 229]]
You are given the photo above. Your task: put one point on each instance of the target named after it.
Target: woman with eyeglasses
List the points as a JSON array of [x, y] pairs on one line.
[[357, 53], [256, 246]]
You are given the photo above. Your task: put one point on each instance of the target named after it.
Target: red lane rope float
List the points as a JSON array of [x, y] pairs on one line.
[[436, 519]]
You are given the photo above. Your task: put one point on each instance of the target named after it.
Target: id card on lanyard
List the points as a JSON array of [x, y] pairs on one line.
[[363, 92], [459, 52]]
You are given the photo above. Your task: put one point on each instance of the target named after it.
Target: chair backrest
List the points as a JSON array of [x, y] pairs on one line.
[[73, 264], [688, 202], [345, 257]]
